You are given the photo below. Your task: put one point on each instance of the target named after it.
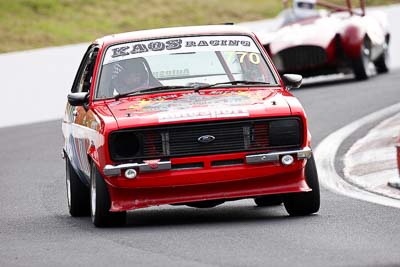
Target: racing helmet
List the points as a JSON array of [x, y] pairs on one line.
[[130, 74], [305, 8]]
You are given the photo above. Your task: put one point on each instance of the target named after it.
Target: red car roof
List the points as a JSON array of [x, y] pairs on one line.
[[172, 32]]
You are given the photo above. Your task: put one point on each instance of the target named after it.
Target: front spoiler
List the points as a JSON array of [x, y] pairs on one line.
[[135, 198]]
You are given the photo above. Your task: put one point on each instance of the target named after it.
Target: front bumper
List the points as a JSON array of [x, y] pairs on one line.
[[256, 174], [280, 183], [112, 171]]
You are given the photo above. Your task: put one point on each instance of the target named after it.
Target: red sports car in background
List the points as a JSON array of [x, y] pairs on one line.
[[338, 39], [187, 116]]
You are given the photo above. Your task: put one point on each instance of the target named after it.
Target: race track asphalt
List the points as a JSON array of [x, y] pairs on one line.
[[36, 230]]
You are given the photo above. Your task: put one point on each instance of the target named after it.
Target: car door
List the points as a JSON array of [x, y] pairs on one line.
[[78, 119]]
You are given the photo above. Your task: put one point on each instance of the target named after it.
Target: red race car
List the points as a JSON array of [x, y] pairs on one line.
[[313, 41], [187, 116]]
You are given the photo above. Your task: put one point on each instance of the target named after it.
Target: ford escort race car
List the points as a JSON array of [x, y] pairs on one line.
[[187, 116]]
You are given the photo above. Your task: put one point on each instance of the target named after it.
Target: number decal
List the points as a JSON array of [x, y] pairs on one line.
[[242, 55], [254, 58]]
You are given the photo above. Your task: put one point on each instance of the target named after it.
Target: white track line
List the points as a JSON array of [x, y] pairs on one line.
[[325, 155]]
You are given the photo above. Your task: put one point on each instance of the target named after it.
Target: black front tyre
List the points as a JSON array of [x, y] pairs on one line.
[[100, 202], [300, 204], [361, 65], [382, 63], [78, 194]]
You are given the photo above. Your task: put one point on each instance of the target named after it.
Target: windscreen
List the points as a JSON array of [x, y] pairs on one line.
[[186, 61]]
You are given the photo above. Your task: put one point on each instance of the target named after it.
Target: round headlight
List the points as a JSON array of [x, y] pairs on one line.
[[130, 173], [287, 160]]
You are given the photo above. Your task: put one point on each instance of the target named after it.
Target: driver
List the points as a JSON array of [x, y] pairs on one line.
[[304, 8], [132, 75]]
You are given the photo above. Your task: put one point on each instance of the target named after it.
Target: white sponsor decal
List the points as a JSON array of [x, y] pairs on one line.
[[227, 112], [179, 45]]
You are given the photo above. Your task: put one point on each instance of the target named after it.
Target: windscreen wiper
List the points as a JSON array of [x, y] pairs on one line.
[[157, 88], [197, 88]]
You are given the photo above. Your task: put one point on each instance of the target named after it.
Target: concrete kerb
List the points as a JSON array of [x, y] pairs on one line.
[[326, 153], [371, 161]]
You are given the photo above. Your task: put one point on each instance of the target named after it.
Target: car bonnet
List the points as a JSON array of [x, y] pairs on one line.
[[189, 106]]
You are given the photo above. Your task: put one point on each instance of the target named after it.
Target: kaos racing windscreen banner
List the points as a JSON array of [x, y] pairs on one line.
[[179, 45]]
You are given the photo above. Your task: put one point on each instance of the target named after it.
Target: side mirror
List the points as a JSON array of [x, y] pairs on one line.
[[292, 80], [78, 99]]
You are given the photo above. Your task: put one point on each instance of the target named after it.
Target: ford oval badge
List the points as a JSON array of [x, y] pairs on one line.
[[205, 139]]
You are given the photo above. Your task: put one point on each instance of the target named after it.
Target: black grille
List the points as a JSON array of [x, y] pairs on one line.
[[302, 57], [183, 140], [227, 138]]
